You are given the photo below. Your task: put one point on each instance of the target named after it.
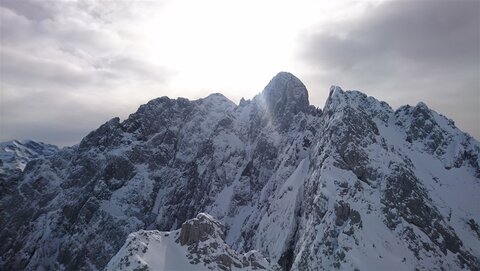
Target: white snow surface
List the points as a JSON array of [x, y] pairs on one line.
[[154, 250]]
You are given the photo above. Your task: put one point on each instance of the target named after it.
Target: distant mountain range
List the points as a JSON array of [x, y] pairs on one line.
[[15, 154]]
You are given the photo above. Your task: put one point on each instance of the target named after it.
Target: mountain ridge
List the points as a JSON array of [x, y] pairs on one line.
[[355, 185]]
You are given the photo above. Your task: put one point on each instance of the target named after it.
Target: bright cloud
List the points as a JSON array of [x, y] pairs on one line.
[[68, 66]]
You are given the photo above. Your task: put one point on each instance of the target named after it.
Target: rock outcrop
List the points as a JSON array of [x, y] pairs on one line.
[[198, 245]]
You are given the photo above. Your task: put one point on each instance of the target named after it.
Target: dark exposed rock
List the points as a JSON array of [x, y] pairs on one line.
[[342, 212], [355, 217], [474, 226], [118, 168], [107, 135], [200, 229]]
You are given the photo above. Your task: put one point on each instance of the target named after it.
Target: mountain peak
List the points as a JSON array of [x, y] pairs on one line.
[[284, 97], [217, 99], [286, 87], [334, 89]]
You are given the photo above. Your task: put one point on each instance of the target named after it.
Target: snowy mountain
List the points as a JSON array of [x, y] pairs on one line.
[[15, 154], [356, 185]]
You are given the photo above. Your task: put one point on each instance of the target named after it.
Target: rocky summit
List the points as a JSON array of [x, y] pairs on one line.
[[198, 245], [273, 183]]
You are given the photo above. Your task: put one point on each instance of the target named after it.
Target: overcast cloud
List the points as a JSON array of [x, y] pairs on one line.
[[405, 52], [68, 66]]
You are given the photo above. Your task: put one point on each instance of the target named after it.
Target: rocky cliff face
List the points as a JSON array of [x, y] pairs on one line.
[[356, 185]]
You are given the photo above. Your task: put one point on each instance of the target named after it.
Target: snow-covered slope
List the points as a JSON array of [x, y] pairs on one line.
[[378, 200], [198, 245], [356, 185]]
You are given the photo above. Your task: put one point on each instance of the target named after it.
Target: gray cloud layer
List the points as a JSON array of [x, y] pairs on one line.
[[63, 66], [405, 52]]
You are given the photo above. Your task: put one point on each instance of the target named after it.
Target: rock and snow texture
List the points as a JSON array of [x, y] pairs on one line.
[[356, 185], [198, 245], [15, 154], [384, 196]]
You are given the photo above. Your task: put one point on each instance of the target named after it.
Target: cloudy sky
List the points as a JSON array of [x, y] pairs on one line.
[[68, 66]]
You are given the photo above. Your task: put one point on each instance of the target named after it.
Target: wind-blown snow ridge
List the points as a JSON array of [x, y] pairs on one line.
[[356, 185]]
